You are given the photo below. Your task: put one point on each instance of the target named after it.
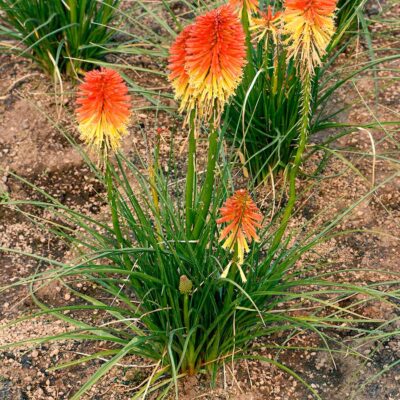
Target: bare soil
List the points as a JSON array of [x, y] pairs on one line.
[[33, 147]]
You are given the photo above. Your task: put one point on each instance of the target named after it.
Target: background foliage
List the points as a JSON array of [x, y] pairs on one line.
[[59, 35]]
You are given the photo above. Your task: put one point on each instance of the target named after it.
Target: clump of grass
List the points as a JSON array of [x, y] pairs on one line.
[[61, 36], [139, 261]]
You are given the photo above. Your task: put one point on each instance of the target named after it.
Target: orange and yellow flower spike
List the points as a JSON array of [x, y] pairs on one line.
[[207, 60], [243, 218], [267, 24], [104, 110], [309, 25], [216, 55]]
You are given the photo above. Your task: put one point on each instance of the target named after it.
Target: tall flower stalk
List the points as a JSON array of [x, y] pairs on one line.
[[206, 66], [309, 27], [103, 115]]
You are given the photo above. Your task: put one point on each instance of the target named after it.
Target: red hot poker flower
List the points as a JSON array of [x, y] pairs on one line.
[[104, 109], [312, 9], [215, 57], [243, 218]]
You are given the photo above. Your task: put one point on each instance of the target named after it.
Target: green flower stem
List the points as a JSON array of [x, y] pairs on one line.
[[190, 349], [114, 216], [246, 29], [229, 292], [153, 173], [212, 355], [249, 70], [208, 187], [186, 312], [191, 174], [303, 133], [231, 276], [227, 304]]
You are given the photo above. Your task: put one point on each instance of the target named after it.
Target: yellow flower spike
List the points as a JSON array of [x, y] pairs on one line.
[[309, 26]]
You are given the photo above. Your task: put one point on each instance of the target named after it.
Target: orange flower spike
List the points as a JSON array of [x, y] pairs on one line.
[[104, 109], [268, 23], [215, 57], [178, 75], [243, 218], [309, 25]]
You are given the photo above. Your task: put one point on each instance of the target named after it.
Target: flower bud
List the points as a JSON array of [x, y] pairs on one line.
[[185, 285]]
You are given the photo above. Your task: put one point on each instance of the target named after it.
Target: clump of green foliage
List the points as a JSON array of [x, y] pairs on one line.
[[264, 115], [61, 36]]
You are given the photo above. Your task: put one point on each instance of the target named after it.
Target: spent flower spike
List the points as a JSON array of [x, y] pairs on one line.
[[243, 218], [104, 110], [309, 25], [206, 61]]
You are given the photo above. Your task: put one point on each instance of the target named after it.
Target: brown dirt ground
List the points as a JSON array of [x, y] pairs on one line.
[[33, 148]]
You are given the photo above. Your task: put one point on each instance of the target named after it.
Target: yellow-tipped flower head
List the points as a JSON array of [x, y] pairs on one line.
[[309, 26], [104, 110], [243, 218], [207, 60]]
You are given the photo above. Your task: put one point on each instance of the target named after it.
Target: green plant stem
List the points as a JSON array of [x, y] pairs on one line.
[[191, 174], [208, 187], [303, 134], [114, 215], [190, 349], [246, 28], [249, 71], [232, 273], [153, 173], [227, 305], [186, 312]]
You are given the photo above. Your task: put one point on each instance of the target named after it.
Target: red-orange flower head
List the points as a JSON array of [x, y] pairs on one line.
[[267, 24], [310, 26], [104, 109], [243, 218], [251, 5], [207, 60], [216, 55]]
